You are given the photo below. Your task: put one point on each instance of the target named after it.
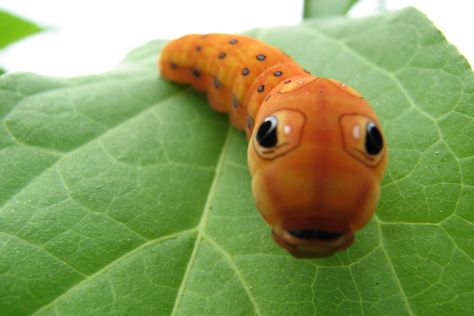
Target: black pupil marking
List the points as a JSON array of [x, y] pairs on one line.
[[233, 41], [261, 57], [261, 88], [278, 73], [314, 234], [196, 73], [249, 122], [222, 55], [217, 83], [267, 132], [373, 139], [245, 71], [235, 102]]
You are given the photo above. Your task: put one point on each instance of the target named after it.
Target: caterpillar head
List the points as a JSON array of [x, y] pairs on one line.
[[317, 155]]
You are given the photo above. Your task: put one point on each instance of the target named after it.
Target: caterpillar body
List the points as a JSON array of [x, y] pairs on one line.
[[316, 149]]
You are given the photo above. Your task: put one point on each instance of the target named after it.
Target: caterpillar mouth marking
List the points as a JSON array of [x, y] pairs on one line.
[[314, 234]]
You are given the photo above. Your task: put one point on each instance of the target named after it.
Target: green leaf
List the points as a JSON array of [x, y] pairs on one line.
[[321, 8], [125, 194], [14, 28]]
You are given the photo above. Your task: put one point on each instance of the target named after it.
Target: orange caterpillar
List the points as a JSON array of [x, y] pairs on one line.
[[316, 148]]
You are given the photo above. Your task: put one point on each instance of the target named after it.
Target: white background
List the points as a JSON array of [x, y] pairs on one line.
[[91, 36]]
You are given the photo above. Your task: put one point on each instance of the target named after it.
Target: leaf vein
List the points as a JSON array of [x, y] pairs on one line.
[[237, 273], [110, 265], [41, 248], [90, 142], [203, 222], [392, 267]]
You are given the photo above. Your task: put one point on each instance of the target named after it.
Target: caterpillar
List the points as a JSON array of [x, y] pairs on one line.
[[316, 150]]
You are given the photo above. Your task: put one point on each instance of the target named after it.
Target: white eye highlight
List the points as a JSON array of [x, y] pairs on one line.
[[356, 132]]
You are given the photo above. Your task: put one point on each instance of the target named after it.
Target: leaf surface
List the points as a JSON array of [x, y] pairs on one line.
[[15, 28], [322, 8], [125, 194]]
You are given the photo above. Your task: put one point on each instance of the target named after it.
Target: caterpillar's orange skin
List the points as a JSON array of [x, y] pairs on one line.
[[317, 154]]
